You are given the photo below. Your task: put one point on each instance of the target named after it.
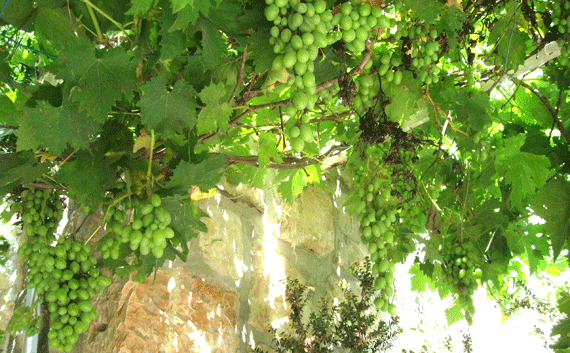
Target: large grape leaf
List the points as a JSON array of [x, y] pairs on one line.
[[532, 110], [54, 27], [451, 22], [188, 11], [261, 53], [53, 128], [524, 171], [166, 111], [291, 184], [8, 113], [20, 167], [553, 204], [104, 82], [454, 313], [472, 107], [204, 175], [217, 111], [404, 98], [87, 177]]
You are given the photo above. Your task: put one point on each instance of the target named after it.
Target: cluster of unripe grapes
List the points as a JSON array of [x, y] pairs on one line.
[[146, 230], [41, 212], [378, 216], [300, 132], [62, 272], [461, 263], [423, 49], [300, 29], [386, 202], [357, 21], [367, 88], [561, 15]]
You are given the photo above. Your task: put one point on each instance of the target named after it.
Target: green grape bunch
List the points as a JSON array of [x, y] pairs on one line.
[[145, 230], [461, 263], [41, 212], [561, 16], [61, 271], [300, 29]]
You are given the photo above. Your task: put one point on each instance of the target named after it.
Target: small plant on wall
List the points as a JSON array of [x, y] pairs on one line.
[[353, 324]]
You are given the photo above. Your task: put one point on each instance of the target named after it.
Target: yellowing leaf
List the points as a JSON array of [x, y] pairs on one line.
[[144, 140], [553, 271]]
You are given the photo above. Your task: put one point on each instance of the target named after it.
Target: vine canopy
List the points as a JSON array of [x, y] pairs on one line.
[[451, 105]]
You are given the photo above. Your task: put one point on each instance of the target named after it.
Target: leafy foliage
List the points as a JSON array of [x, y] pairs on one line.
[[168, 95]]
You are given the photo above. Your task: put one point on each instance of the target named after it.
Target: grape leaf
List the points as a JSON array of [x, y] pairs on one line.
[[140, 7], [530, 174], [451, 22], [217, 111], [515, 239], [173, 39], [168, 112], [53, 128], [261, 53], [427, 10], [205, 175], [104, 81], [553, 204], [513, 49], [419, 279], [195, 5], [188, 11], [8, 113], [20, 167], [472, 107], [87, 177], [213, 46], [268, 149], [404, 98], [532, 109], [454, 313], [291, 187]]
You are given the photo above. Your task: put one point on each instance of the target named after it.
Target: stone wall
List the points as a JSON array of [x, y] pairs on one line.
[[231, 289]]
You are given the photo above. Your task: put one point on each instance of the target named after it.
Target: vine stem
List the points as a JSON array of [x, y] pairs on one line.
[[96, 24], [149, 171], [90, 4]]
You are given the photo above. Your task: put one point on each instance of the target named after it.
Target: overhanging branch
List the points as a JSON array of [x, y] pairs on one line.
[[546, 103]]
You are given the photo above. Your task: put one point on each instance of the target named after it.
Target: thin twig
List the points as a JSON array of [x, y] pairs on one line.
[[240, 76]]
